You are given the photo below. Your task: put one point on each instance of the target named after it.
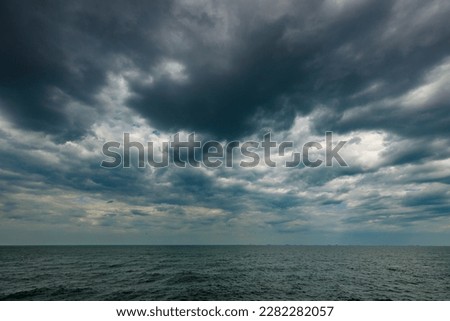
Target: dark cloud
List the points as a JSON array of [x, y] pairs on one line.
[[55, 57], [416, 150], [239, 64], [38, 81], [375, 72], [295, 62]]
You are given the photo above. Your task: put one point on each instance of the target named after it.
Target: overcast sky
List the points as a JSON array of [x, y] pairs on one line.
[[76, 74]]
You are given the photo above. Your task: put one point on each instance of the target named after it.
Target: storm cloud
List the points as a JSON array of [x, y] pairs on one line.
[[77, 74]]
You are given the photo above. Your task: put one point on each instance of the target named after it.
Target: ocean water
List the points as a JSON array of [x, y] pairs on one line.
[[224, 273]]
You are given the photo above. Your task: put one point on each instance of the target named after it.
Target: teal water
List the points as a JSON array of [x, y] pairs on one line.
[[224, 273]]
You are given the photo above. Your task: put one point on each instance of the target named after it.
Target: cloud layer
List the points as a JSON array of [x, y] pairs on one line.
[[74, 76]]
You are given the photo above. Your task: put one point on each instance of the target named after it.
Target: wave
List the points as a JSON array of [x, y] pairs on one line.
[[45, 293]]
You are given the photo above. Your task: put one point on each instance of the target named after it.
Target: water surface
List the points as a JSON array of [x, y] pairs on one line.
[[224, 273]]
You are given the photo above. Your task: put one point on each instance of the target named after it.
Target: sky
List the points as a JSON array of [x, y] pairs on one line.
[[77, 74]]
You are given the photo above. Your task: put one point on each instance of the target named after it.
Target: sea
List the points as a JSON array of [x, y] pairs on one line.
[[224, 273]]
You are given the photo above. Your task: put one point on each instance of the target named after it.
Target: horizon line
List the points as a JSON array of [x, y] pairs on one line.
[[367, 245]]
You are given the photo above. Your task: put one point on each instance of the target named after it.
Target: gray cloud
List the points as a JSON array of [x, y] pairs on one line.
[[76, 75], [217, 68]]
